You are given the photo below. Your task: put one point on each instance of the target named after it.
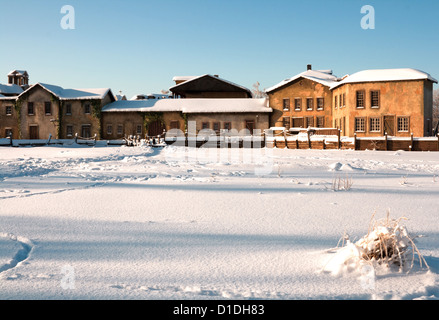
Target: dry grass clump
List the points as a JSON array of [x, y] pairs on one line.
[[388, 242]]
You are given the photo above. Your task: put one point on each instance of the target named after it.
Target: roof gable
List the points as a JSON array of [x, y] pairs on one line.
[[73, 94], [208, 83], [324, 77]]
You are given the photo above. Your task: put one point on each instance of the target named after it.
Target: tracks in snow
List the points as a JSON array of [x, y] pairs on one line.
[[21, 255]]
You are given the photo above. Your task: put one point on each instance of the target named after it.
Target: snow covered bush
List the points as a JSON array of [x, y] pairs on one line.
[[387, 243]]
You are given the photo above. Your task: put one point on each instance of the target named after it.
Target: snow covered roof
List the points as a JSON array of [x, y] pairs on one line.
[[150, 96], [183, 78], [385, 75], [213, 77], [324, 77], [74, 94], [17, 72], [190, 106], [10, 89]]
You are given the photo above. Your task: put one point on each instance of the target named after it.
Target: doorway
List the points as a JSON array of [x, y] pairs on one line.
[[33, 133], [389, 125]]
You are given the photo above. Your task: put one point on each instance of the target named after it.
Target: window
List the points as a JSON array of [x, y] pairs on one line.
[[110, 129], [375, 99], [205, 125], [227, 126], [69, 131], [375, 124], [286, 104], [297, 122], [216, 126], [335, 102], [320, 103], [119, 129], [30, 108], [403, 124], [139, 129], [320, 122], [87, 109], [8, 132], [68, 109], [309, 122], [309, 104], [343, 96], [360, 99], [286, 122], [48, 108], [360, 125], [298, 104], [8, 110]]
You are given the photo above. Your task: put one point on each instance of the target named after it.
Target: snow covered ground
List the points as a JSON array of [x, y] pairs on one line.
[[174, 223]]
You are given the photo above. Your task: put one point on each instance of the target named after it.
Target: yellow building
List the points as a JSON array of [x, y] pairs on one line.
[[396, 102]]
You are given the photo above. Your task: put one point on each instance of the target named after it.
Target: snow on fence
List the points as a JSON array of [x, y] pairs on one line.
[[314, 138]]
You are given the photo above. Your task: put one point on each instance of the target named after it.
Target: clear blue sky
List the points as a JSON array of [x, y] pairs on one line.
[[138, 46]]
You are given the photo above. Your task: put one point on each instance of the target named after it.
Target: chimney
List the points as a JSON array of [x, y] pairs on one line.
[[216, 76], [309, 67]]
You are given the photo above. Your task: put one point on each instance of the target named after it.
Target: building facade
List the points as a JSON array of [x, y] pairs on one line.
[[396, 102]]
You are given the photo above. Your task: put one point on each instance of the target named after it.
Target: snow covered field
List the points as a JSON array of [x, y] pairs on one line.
[[173, 223]]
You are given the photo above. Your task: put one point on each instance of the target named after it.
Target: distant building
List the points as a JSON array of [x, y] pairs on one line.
[[19, 78], [208, 86], [52, 110]]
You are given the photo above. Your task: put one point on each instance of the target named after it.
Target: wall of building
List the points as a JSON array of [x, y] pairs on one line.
[[216, 95], [39, 119], [396, 99], [236, 120], [8, 122], [79, 118], [300, 89]]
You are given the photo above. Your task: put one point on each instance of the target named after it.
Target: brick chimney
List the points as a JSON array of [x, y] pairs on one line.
[[309, 67]]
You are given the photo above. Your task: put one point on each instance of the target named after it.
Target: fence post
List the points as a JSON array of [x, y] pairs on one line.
[[386, 139], [309, 139], [338, 139], [438, 141], [285, 138], [411, 141], [355, 141]]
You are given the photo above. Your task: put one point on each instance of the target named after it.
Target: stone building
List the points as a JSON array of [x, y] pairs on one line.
[[47, 110], [302, 101], [396, 102]]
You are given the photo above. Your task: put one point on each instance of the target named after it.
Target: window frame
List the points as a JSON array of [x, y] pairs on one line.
[[68, 109], [357, 106], [30, 107], [398, 118], [322, 99], [297, 104], [8, 110], [67, 131], [48, 107], [309, 101], [363, 119], [87, 108], [284, 107], [371, 125], [372, 99]]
